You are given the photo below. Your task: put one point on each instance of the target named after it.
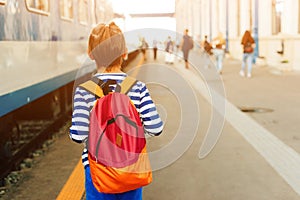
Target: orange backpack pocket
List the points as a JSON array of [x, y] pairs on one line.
[[117, 180]]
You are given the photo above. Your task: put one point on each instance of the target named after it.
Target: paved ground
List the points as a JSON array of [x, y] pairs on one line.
[[272, 89], [237, 168]]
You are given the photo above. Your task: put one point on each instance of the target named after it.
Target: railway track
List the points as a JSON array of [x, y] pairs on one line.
[[27, 137]]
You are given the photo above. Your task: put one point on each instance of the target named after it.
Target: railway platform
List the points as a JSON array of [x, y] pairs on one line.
[[256, 157]]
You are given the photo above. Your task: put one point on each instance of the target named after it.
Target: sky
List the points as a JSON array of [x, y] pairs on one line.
[[127, 7]]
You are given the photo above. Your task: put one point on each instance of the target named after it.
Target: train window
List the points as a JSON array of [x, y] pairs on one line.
[[38, 6], [66, 9], [83, 11], [2, 2]]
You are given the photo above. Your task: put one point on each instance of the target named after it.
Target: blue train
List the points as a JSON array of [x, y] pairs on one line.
[[42, 47], [41, 40], [40, 20]]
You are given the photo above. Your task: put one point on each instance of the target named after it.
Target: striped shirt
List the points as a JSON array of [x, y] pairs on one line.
[[84, 102]]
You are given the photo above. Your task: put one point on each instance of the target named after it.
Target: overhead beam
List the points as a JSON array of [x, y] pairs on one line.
[[117, 15], [153, 15]]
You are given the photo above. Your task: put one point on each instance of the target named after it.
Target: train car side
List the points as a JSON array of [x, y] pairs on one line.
[[41, 54]]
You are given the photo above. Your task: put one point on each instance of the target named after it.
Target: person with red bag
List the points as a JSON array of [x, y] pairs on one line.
[[112, 113]]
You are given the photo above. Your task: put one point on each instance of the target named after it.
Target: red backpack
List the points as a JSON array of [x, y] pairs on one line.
[[116, 143]]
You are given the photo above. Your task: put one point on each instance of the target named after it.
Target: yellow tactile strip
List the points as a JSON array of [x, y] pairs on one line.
[[74, 187]]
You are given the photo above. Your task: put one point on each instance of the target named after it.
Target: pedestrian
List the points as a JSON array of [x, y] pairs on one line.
[[54, 36], [154, 49], [143, 46], [169, 57], [219, 51], [186, 46], [207, 52], [107, 47], [248, 49]]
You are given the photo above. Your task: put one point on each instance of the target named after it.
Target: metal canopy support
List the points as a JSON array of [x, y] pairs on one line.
[[210, 21], [255, 30], [227, 27]]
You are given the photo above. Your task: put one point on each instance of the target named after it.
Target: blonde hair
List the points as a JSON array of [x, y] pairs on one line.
[[107, 45]]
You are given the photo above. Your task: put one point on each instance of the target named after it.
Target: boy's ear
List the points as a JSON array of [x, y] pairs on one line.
[[91, 56], [125, 56]]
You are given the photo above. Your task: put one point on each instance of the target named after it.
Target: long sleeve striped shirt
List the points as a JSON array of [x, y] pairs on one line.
[[84, 102]]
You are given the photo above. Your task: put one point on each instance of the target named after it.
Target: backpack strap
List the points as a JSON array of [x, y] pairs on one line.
[[93, 88], [127, 84]]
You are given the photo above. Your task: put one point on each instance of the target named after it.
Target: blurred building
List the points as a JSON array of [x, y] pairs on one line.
[[274, 23]]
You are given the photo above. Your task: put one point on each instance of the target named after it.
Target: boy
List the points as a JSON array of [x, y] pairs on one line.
[[107, 47]]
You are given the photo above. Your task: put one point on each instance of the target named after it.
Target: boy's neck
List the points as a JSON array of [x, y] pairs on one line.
[[110, 69]]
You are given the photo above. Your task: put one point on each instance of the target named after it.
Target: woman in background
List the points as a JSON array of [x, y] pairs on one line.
[[248, 48]]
